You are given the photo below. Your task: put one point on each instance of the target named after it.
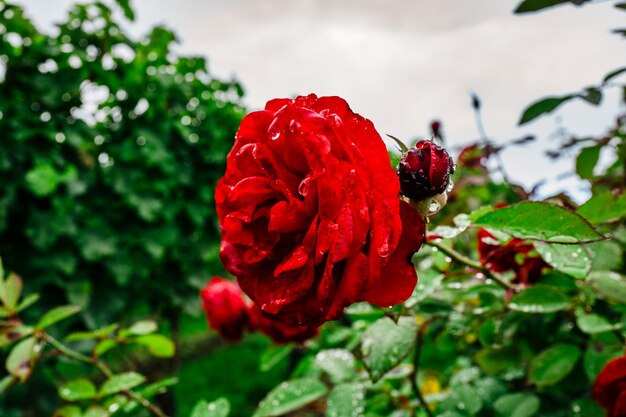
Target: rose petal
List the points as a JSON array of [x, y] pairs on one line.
[[398, 277]]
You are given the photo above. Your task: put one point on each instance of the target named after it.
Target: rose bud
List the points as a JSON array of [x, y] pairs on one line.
[[280, 332], [424, 171], [435, 128], [609, 389], [226, 309], [516, 255]]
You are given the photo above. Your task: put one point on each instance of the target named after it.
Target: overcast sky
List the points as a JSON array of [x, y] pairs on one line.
[[403, 63]]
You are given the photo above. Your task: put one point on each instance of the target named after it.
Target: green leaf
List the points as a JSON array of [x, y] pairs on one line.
[[273, 356], [586, 161], [553, 364], [121, 382], [143, 327], [517, 405], [384, 344], [10, 291], [217, 408], [77, 389], [346, 400], [290, 396], [127, 9], [158, 345], [573, 260], [338, 363], [535, 5], [603, 208], [593, 323], [592, 95], [96, 411], [541, 107], [27, 302], [539, 300], [610, 284], [68, 411], [96, 334], [103, 346], [6, 382], [56, 314], [540, 221], [15, 333], [598, 354], [466, 399], [21, 359]]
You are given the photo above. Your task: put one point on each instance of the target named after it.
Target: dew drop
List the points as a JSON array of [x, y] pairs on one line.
[[434, 207], [450, 186], [294, 127]]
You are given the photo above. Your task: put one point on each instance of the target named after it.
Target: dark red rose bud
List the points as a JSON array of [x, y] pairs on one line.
[[424, 171], [278, 331], [226, 309], [516, 255], [435, 128], [609, 389]]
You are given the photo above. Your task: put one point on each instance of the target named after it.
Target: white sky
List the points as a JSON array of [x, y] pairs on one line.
[[403, 63]]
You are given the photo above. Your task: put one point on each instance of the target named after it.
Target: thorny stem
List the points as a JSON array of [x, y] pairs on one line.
[[473, 264], [416, 362], [144, 402], [483, 136]]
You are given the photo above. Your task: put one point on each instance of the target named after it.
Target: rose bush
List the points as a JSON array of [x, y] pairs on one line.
[[310, 212], [609, 388]]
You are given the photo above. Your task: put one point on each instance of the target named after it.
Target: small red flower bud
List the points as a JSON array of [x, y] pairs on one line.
[[435, 127], [226, 309], [424, 171]]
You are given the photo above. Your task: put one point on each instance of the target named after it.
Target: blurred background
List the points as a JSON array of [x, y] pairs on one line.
[[405, 64]]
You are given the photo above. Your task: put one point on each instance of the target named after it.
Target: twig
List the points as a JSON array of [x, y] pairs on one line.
[[474, 265], [144, 402], [416, 364]]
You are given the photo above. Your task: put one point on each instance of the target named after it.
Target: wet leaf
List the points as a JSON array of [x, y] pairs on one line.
[[539, 300], [338, 363], [121, 382], [553, 364], [573, 260], [217, 408], [290, 396], [384, 344], [346, 400], [77, 389], [540, 221]]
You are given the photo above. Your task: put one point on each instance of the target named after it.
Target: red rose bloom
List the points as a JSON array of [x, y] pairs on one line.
[[278, 331], [513, 256], [424, 170], [609, 389], [225, 308], [309, 212]]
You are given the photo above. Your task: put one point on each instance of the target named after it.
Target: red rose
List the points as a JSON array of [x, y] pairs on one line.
[[278, 331], [226, 310], [310, 215], [424, 170], [516, 255], [609, 389]]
